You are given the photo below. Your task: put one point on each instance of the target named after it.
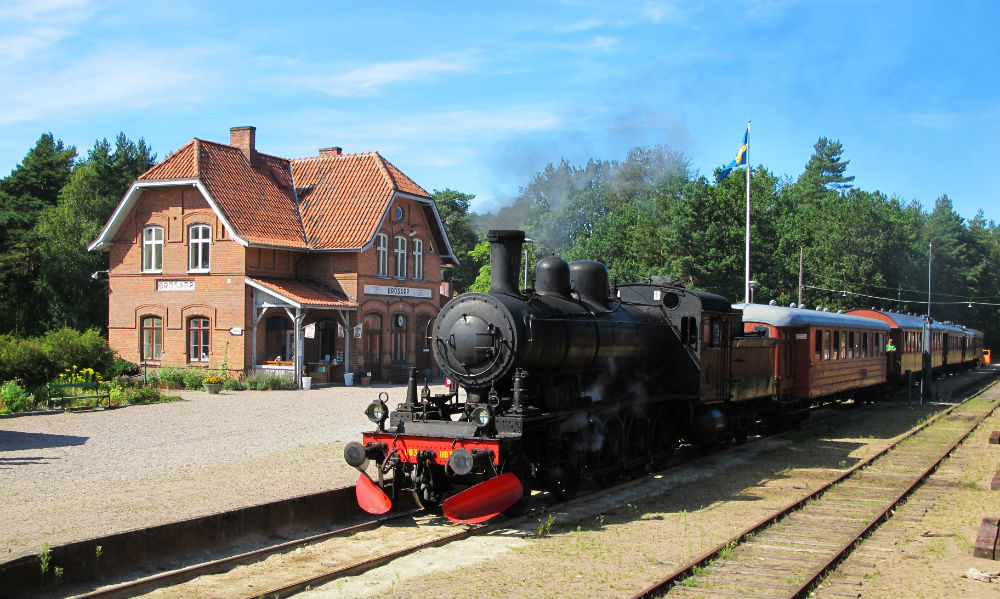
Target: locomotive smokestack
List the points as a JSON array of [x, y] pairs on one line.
[[505, 260]]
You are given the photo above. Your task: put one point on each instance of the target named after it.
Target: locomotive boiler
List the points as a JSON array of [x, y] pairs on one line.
[[567, 381]]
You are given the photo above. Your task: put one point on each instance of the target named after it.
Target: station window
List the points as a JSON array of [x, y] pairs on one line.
[[418, 259], [198, 338], [152, 249], [152, 338], [400, 254], [199, 244], [382, 255]]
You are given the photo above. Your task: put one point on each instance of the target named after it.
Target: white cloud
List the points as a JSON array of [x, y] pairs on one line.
[[586, 25], [105, 83], [16, 48], [603, 42], [32, 10], [656, 11], [368, 79]]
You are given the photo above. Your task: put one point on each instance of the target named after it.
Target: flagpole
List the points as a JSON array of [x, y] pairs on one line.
[[746, 280]]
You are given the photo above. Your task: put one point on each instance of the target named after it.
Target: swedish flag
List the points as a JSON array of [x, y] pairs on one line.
[[741, 157]]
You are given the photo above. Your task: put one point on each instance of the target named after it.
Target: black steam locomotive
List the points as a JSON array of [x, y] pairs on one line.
[[566, 381]]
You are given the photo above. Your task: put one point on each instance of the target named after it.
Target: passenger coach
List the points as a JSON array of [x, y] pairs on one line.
[[821, 355]]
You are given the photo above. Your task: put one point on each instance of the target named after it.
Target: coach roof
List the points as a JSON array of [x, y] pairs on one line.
[[781, 316]]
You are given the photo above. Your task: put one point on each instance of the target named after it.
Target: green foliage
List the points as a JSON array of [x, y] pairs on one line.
[[193, 378], [14, 398], [121, 395], [453, 206], [167, 377], [24, 359], [122, 367], [233, 385], [266, 381], [68, 348]]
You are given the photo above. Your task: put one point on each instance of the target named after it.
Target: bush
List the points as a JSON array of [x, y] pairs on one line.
[[122, 367], [24, 360], [167, 377], [14, 398], [193, 378], [265, 381], [66, 348], [233, 385]]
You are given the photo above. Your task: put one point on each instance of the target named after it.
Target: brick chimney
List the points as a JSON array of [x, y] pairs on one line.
[[244, 139], [334, 151]]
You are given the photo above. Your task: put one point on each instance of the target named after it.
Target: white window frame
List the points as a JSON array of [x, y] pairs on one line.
[[399, 253], [418, 260], [199, 339], [199, 247], [152, 249], [382, 255]]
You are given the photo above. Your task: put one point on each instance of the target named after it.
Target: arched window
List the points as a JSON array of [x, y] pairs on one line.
[[152, 249], [418, 259], [382, 255], [400, 255], [198, 339], [199, 243], [152, 338]]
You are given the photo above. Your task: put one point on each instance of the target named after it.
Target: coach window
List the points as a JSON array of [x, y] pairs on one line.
[[843, 345], [199, 242], [152, 338], [152, 249], [706, 331], [850, 344], [826, 345], [716, 333], [818, 349], [198, 338], [836, 345]]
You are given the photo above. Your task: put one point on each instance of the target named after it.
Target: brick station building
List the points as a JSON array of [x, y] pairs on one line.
[[319, 266]]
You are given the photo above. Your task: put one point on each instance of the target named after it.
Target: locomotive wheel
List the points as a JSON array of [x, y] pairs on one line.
[[610, 453], [568, 484], [663, 441], [637, 446], [521, 468]]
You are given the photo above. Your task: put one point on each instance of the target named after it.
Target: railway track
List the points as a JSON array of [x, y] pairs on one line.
[[315, 560], [789, 553]]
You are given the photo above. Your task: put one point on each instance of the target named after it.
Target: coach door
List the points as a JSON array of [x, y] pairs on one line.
[[373, 345], [714, 358]]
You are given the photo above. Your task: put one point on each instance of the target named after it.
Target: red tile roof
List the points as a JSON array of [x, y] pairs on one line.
[[332, 201], [344, 197], [257, 199], [304, 293]]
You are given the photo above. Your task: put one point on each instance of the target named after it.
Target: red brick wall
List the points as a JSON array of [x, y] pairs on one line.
[[219, 295], [222, 296]]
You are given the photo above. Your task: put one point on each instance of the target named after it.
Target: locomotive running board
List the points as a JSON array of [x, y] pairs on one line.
[[371, 498], [485, 500]]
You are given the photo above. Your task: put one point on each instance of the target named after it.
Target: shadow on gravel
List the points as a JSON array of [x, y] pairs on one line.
[[18, 441]]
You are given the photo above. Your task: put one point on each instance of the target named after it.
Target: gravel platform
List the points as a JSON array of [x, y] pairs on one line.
[[73, 476]]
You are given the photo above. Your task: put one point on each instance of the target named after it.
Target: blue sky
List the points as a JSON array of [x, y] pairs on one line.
[[479, 96]]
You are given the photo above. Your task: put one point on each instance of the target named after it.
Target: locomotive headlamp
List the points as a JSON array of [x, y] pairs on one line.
[[377, 412], [482, 416]]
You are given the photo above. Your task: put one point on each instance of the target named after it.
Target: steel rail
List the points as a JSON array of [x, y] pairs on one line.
[[203, 569], [665, 584]]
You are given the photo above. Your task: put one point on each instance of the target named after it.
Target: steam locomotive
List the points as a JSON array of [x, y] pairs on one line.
[[575, 379]]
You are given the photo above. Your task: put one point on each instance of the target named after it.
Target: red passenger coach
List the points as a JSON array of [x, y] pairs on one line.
[[906, 332], [822, 355]]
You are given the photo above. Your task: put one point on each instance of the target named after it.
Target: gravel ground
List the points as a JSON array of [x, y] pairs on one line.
[[72, 476]]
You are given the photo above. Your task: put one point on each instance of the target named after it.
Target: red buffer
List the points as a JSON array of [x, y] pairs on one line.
[[370, 497], [483, 501]]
